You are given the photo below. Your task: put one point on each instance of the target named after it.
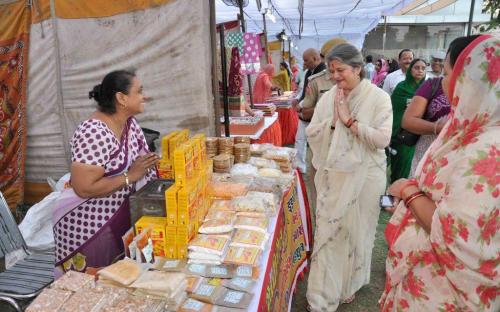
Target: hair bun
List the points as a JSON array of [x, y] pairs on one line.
[[95, 93]]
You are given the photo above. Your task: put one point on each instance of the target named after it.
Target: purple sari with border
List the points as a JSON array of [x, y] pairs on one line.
[[88, 231]]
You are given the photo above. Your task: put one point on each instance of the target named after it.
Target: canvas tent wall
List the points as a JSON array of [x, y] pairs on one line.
[[73, 44]]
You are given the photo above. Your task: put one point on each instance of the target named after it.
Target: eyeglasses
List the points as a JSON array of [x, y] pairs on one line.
[[419, 67]]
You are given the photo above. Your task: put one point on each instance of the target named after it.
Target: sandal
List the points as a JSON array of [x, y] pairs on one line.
[[347, 300]]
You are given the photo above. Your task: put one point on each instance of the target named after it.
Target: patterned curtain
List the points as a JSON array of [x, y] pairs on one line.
[[15, 22]]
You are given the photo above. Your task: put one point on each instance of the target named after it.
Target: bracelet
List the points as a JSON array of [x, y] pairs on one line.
[[435, 128], [127, 182], [349, 123], [408, 183], [412, 197]]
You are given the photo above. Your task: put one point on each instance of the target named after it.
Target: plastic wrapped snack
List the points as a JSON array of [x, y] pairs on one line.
[[260, 163], [206, 262], [169, 265], [243, 256], [164, 282], [135, 304], [85, 300], [73, 281], [217, 226], [234, 299], [193, 255], [196, 269], [214, 214], [49, 300], [277, 154], [220, 271], [266, 185], [244, 170], [270, 173], [225, 190], [248, 238], [123, 272], [256, 202], [207, 293], [221, 177], [239, 283], [192, 305], [221, 205], [259, 149], [210, 244], [254, 224]]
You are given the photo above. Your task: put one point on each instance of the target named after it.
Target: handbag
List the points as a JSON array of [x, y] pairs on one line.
[[406, 137]]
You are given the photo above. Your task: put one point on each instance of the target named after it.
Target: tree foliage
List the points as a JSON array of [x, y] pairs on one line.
[[493, 8]]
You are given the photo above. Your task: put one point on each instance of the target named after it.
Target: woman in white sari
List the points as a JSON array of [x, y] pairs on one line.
[[350, 128]]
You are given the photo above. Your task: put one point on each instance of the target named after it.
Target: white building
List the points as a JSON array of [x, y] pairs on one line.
[[423, 26]]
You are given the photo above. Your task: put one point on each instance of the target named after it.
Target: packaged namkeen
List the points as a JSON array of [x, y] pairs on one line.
[[165, 147], [215, 214], [196, 269], [73, 281], [136, 303], [243, 256], [210, 244], [256, 202], [254, 224], [193, 282], [260, 162], [49, 300], [244, 170], [246, 271], [217, 226], [201, 257], [169, 265], [220, 271], [226, 145], [239, 283], [123, 272], [207, 293], [183, 163], [270, 173], [192, 305], [234, 299], [226, 190], [85, 300], [127, 239], [164, 282], [249, 238]]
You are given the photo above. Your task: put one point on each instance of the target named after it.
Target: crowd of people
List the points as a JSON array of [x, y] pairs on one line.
[[433, 134]]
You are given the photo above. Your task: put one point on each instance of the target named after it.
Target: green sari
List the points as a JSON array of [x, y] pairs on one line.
[[401, 162]]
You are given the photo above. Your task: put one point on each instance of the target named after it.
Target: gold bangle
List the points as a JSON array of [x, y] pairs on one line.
[[126, 179]]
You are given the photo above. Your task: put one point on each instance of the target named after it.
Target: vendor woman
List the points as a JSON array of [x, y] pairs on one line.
[[110, 160]]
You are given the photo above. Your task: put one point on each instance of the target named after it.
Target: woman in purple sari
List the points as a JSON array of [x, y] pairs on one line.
[[110, 160]]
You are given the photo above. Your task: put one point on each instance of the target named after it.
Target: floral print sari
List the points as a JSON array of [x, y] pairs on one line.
[[455, 267]]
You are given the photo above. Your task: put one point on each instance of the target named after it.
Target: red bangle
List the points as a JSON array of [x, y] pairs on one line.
[[349, 123], [407, 184], [412, 197]]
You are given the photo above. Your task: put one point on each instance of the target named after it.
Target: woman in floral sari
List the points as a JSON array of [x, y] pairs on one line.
[[110, 160], [444, 237]]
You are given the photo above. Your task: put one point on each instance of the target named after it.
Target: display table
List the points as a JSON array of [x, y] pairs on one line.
[[269, 133], [286, 257], [289, 122]]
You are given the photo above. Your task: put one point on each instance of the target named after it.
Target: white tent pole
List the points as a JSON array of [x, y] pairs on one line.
[[59, 94]]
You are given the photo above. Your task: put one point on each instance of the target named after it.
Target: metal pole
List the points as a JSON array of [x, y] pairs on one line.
[[471, 15], [265, 38], [243, 29], [224, 81], [290, 60], [215, 80], [385, 34]]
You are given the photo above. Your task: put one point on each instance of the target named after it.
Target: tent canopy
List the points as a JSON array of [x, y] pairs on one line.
[[322, 19]]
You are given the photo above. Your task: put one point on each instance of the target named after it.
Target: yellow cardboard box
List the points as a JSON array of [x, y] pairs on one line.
[[171, 203]]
